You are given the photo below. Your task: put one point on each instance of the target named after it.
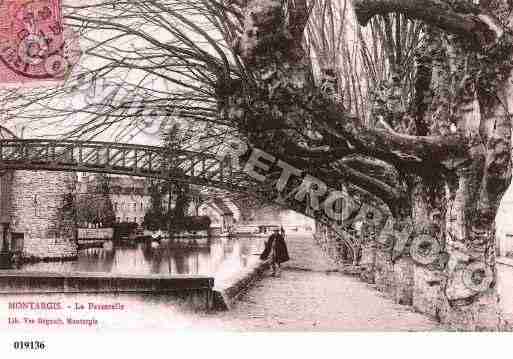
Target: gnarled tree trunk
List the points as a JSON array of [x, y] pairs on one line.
[[441, 180]]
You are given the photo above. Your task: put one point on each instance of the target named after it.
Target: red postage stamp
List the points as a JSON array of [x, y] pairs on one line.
[[32, 42]]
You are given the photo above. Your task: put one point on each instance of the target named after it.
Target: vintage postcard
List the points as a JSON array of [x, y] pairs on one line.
[[255, 166]]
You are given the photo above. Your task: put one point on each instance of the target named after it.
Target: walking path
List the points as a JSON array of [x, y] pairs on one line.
[[310, 296]]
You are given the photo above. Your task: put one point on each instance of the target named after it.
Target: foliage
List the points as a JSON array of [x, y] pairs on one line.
[[154, 218], [192, 223], [179, 194], [95, 206], [95, 209]]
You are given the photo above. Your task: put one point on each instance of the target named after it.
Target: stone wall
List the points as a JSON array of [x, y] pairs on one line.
[[5, 195], [192, 292], [5, 200], [49, 249], [41, 209]]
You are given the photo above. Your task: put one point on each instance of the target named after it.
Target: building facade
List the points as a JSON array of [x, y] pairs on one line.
[[131, 200], [129, 196]]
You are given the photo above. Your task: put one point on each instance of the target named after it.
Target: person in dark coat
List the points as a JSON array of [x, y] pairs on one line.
[[276, 249]]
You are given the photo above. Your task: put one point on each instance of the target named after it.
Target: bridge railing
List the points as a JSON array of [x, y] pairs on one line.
[[118, 158]]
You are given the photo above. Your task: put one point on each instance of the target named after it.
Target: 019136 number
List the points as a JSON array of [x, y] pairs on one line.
[[29, 345]]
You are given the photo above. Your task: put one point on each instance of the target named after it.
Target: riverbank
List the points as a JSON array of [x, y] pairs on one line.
[[311, 296], [308, 296]]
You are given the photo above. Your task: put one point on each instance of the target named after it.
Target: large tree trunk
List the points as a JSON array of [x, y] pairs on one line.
[[450, 269], [442, 183], [441, 275]]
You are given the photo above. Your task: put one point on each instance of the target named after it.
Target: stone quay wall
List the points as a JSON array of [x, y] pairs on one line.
[[41, 213], [192, 291], [49, 249]]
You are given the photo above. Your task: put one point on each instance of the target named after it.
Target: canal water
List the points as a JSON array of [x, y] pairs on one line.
[[217, 257]]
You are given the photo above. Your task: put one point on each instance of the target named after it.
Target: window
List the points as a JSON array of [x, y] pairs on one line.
[[141, 206], [135, 206]]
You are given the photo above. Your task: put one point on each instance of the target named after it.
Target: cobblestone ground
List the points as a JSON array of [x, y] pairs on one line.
[[309, 296]]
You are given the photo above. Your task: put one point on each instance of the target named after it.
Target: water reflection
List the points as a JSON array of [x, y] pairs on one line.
[[216, 257]]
